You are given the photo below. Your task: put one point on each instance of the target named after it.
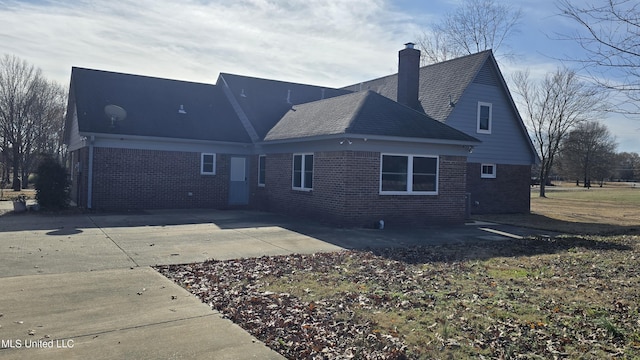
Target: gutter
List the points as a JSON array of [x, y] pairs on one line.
[[90, 174], [469, 142], [159, 139]]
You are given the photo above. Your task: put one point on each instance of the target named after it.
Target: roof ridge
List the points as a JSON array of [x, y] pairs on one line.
[[483, 52], [242, 116], [138, 75], [364, 96], [280, 81], [353, 93]]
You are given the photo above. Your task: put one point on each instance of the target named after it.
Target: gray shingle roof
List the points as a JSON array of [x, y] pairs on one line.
[[362, 113], [437, 83], [264, 101], [152, 106], [276, 110]]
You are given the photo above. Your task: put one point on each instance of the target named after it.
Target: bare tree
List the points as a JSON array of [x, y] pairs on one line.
[[475, 26], [31, 117], [609, 34], [46, 125], [588, 153], [17, 95], [552, 107]]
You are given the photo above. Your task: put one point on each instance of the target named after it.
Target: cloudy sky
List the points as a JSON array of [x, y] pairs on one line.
[[322, 42]]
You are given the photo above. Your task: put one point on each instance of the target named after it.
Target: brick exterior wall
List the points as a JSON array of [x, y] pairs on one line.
[[79, 181], [346, 192], [149, 179], [345, 187], [508, 193], [258, 198]]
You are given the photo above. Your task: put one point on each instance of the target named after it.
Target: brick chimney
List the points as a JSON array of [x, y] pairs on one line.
[[409, 76]]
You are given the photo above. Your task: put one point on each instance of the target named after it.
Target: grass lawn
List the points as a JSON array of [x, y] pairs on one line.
[[613, 209], [575, 296]]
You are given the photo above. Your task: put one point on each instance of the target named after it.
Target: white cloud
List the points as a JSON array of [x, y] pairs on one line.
[[321, 41]]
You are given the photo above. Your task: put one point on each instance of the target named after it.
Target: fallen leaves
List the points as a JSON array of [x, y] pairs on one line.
[[550, 298]]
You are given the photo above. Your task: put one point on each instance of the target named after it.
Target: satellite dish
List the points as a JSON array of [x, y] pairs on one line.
[[115, 113]]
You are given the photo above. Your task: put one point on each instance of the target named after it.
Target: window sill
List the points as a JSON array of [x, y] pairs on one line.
[[412, 193], [302, 190]]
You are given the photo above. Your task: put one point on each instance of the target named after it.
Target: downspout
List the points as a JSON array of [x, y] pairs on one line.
[[90, 173]]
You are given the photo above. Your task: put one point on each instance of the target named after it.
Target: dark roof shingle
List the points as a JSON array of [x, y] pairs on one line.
[[439, 83], [152, 106], [362, 113], [265, 101]]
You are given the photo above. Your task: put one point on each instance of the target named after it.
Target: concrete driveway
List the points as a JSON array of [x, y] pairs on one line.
[[80, 286]]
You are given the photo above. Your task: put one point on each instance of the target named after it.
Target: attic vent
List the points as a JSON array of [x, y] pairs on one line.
[[242, 94], [288, 96], [182, 110]]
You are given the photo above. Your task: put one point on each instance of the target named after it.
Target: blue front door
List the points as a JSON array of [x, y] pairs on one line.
[[238, 184]]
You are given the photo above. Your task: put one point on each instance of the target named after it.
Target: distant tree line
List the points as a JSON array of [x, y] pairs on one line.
[[588, 156], [32, 112]]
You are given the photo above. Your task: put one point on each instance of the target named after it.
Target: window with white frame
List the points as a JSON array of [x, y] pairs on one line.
[[302, 172], [207, 164], [261, 169], [488, 171], [408, 174], [484, 118]]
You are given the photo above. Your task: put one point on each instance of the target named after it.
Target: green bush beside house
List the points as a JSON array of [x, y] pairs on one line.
[[52, 185]]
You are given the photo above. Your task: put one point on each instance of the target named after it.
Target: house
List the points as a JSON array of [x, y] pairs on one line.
[[470, 94], [350, 156]]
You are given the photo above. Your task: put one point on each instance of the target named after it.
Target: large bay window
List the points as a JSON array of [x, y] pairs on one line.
[[409, 174]]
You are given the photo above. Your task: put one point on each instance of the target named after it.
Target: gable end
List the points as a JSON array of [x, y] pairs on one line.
[[487, 75]]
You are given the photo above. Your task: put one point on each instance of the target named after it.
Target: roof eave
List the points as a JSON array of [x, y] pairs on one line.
[[373, 137], [159, 139]]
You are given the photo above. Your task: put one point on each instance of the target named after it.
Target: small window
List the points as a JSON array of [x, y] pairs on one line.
[[408, 174], [484, 118], [488, 171], [261, 169], [207, 164], [302, 172]]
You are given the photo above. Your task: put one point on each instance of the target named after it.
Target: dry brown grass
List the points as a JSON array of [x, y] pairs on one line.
[[571, 297], [612, 209]]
